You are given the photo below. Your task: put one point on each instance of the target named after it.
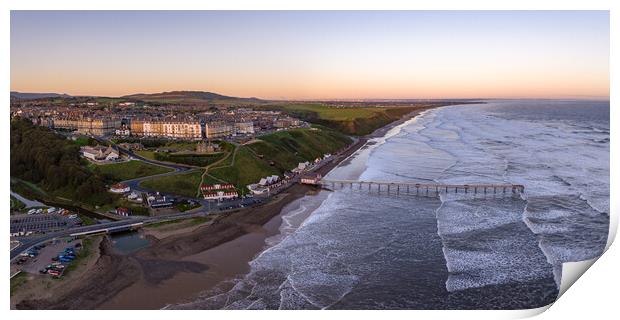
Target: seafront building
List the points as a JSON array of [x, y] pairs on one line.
[[215, 130], [244, 127], [182, 129], [219, 191], [177, 129], [129, 119], [94, 126]]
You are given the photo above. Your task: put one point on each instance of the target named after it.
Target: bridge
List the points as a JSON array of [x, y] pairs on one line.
[[397, 187], [100, 228]]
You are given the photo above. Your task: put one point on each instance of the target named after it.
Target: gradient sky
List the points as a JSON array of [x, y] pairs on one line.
[[314, 54]]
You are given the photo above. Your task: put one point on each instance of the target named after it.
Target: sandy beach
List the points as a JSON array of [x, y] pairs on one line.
[[179, 265]]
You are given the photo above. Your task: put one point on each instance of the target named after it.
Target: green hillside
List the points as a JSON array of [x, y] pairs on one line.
[[276, 153], [185, 184], [348, 120], [128, 170]]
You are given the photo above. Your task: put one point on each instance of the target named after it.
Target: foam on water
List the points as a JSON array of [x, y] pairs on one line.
[[359, 249], [566, 175]]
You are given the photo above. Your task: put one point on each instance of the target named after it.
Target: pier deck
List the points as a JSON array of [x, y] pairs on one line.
[[398, 187]]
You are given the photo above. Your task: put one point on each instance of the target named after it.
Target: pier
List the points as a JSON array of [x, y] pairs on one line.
[[423, 189]]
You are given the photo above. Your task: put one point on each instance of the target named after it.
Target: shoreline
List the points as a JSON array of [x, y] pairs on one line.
[[225, 245]]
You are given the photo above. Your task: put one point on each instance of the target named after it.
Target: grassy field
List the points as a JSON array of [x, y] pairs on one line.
[[182, 152], [146, 154], [272, 154], [349, 120], [85, 141], [333, 113], [276, 153], [246, 169], [185, 184], [199, 160], [130, 170]]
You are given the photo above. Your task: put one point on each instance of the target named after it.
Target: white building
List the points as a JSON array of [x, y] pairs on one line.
[[120, 188], [311, 178], [99, 153], [301, 166], [214, 130], [220, 195], [244, 127]]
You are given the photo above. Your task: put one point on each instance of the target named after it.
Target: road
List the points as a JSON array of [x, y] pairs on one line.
[[33, 241], [207, 208]]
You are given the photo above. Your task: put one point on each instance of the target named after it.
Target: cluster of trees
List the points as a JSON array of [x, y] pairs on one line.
[[40, 156]]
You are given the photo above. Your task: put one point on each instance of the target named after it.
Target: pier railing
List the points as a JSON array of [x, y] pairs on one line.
[[396, 187]]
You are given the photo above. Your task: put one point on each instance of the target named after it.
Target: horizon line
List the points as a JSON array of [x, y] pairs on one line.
[[568, 97]]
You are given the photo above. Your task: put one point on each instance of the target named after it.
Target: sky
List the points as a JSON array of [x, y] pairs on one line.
[[314, 54]]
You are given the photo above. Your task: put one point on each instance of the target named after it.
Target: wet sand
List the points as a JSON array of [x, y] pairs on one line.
[[179, 267]]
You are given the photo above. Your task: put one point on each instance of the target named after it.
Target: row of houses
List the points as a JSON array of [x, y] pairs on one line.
[[264, 184], [190, 129], [88, 125], [219, 191]]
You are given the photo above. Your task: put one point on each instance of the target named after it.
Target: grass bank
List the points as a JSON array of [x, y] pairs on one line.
[[129, 170], [184, 184], [276, 153]]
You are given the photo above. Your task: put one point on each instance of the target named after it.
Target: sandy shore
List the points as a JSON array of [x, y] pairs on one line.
[[178, 266]]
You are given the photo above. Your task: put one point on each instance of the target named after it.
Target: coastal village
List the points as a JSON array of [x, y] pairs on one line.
[[220, 158], [116, 138], [157, 167]]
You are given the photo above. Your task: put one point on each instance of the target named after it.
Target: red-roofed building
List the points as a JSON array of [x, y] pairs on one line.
[[208, 187], [220, 195], [311, 178], [120, 188]]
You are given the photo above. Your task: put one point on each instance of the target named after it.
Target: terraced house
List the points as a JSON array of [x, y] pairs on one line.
[[180, 129]]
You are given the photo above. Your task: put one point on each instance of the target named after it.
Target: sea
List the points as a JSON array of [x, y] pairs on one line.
[[352, 248]]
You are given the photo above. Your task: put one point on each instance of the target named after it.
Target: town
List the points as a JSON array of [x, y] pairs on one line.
[[136, 144]]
